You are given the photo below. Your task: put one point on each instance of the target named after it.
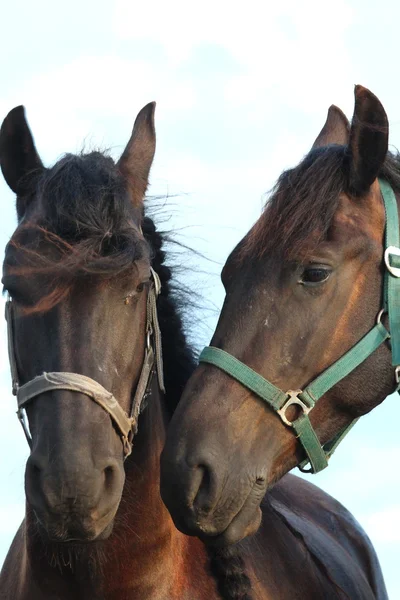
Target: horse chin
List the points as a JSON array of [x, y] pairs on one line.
[[241, 525], [237, 530], [70, 534]]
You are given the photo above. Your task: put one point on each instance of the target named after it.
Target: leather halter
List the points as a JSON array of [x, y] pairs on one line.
[[126, 425], [306, 399]]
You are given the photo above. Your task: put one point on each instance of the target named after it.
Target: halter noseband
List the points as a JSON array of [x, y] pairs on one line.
[[75, 382], [306, 399]]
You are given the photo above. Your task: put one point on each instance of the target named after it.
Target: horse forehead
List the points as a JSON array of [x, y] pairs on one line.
[[365, 216]]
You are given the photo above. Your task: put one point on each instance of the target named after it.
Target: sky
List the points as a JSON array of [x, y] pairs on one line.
[[242, 90]]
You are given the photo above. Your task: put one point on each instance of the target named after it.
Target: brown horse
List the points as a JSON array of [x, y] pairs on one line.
[[302, 288], [78, 270]]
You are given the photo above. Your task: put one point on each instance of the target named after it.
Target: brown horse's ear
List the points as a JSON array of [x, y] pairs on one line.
[[335, 131], [18, 155], [368, 144], [137, 158]]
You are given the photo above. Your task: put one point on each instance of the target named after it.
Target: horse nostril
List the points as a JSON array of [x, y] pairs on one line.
[[35, 466], [205, 496], [109, 476], [36, 470]]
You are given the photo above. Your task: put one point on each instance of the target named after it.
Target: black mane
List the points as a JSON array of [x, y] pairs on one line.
[[179, 357], [84, 209]]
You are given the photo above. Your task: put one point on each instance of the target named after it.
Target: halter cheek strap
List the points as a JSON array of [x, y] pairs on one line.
[[305, 400], [75, 382]]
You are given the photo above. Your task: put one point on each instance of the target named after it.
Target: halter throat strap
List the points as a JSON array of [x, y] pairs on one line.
[[279, 401], [126, 425]]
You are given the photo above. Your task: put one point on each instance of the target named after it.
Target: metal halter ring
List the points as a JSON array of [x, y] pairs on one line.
[[380, 314], [395, 271], [293, 399]]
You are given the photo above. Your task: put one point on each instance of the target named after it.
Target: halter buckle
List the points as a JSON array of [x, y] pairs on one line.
[[293, 399], [397, 374], [395, 271]]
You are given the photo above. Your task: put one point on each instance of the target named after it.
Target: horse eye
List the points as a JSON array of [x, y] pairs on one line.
[[314, 275], [141, 287]]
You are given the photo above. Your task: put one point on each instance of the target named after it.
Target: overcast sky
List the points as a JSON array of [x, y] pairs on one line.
[[242, 90]]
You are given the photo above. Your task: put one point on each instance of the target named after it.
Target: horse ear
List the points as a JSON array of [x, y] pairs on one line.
[[368, 144], [335, 131], [18, 155], [137, 158]]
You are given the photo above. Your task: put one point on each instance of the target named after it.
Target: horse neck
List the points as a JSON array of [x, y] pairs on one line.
[[145, 547], [141, 501]]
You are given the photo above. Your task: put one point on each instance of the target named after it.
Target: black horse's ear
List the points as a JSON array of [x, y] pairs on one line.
[[368, 144], [137, 158], [18, 156], [335, 131]]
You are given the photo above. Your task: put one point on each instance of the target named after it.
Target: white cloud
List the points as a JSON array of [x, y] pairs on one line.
[[77, 99], [255, 33], [383, 526], [289, 51], [11, 516]]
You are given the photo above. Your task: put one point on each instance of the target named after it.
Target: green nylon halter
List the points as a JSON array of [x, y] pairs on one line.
[[306, 399]]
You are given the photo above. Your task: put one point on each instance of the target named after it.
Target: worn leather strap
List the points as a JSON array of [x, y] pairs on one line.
[[10, 346], [75, 382]]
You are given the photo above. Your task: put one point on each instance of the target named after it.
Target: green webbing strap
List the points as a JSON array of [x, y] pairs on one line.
[[317, 455], [331, 446], [338, 371], [311, 444], [392, 272], [306, 399], [247, 376], [348, 362], [274, 397]]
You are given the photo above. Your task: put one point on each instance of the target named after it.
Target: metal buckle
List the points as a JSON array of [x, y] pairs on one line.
[[293, 399], [148, 337], [397, 374], [395, 271], [157, 282]]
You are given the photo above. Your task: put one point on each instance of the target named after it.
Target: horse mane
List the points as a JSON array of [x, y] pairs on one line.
[[228, 567], [178, 355], [299, 212], [83, 210]]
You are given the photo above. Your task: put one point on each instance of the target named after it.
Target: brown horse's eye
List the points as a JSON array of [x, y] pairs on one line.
[[314, 275], [140, 287]]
